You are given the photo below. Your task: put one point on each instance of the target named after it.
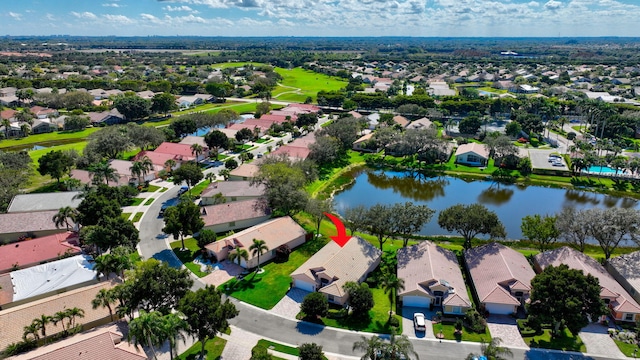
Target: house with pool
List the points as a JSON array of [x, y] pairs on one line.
[[432, 279]]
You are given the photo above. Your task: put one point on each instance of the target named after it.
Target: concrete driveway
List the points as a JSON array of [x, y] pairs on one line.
[[407, 323], [540, 160], [221, 276], [506, 328], [289, 305], [598, 342]]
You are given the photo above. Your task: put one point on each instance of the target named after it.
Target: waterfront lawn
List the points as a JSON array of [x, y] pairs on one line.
[[187, 256], [266, 289], [566, 341], [212, 349], [48, 137]]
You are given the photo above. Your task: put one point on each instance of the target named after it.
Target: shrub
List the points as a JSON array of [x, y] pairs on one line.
[[534, 142], [461, 141], [475, 321], [314, 305], [458, 325], [571, 135], [19, 347], [282, 253], [393, 321], [231, 164], [260, 352], [310, 351]]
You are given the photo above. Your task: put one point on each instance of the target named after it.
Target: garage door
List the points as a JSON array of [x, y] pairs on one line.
[[304, 285], [415, 301], [500, 309]]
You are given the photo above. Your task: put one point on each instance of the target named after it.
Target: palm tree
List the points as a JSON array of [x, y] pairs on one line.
[[392, 285], [238, 255], [30, 330], [146, 329], [41, 323], [104, 264], [26, 129], [371, 346], [400, 347], [170, 164], [258, 248], [136, 170], [492, 350], [102, 171], [173, 326], [139, 169], [197, 150], [7, 126], [72, 314], [60, 317], [104, 298], [64, 215]]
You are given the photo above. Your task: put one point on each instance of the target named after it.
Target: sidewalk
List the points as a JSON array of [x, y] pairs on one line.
[[142, 208]]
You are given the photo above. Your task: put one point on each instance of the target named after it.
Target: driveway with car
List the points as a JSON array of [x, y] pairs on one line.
[[408, 327]]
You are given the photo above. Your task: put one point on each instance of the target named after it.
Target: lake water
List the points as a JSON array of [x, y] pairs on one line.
[[205, 130], [510, 202]]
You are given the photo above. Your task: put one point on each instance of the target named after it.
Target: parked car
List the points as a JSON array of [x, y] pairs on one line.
[[163, 208], [418, 322], [183, 189]]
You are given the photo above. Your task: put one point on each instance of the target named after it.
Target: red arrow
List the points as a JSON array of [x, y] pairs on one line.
[[342, 238]]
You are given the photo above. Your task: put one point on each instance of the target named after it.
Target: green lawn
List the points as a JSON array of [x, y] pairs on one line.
[[266, 289], [187, 256], [137, 217], [204, 107], [627, 349], [279, 347], [149, 201], [135, 201], [125, 215], [566, 341], [213, 349], [235, 64], [199, 188], [307, 81], [48, 137], [151, 188], [448, 331], [377, 321]]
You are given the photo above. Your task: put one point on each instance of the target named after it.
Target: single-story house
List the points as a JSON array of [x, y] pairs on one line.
[[362, 143], [275, 232], [401, 120], [279, 119], [292, 152], [244, 172], [14, 319], [159, 159], [432, 278], [626, 270], [43, 126], [235, 215], [333, 266], [501, 277], [37, 251], [8, 91], [182, 151], [47, 279], [7, 114], [104, 343], [623, 306], [147, 94], [86, 177], [123, 169], [190, 140], [189, 100], [231, 191], [43, 112], [422, 123], [473, 154], [32, 224], [110, 117], [44, 201]]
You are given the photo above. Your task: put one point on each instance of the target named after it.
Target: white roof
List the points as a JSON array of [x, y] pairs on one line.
[[52, 276]]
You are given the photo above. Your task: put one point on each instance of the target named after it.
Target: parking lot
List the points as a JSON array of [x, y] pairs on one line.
[[540, 160]]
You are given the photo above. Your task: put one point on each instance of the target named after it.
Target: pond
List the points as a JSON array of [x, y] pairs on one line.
[[510, 202], [205, 130]]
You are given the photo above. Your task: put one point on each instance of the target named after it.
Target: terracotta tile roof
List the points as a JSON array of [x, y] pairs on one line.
[[342, 264], [274, 232], [38, 250], [183, 151], [401, 120], [13, 320], [233, 188], [24, 222], [158, 158], [426, 265], [292, 152], [103, 343], [628, 266], [476, 148], [576, 260], [279, 119], [494, 268], [234, 211]]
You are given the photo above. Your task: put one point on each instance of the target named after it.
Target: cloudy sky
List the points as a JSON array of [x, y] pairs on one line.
[[476, 18]]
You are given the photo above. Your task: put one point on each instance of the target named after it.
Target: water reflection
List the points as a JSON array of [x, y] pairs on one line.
[[414, 187], [574, 197], [495, 195]]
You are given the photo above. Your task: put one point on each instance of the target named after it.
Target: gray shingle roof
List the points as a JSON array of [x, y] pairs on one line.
[[44, 201]]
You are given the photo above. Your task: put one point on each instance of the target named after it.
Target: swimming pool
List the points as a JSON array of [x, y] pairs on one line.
[[602, 170]]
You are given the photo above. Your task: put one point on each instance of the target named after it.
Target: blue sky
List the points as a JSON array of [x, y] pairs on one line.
[[521, 18]]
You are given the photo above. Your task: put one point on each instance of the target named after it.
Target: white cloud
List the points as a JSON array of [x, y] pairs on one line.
[[50, 17], [15, 16], [552, 5], [178, 8], [114, 5], [118, 19], [84, 15]]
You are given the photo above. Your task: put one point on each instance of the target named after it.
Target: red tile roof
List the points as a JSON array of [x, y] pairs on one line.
[[278, 118], [291, 151], [36, 251], [183, 150], [156, 158]]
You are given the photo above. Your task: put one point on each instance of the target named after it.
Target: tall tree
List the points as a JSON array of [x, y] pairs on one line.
[[216, 140], [609, 227], [258, 248], [409, 219], [392, 285], [103, 172], [145, 137], [380, 222], [104, 298], [94, 207], [171, 330], [540, 230], [108, 142], [571, 226], [188, 172], [55, 163], [206, 313], [163, 103], [197, 150], [284, 186], [560, 295], [238, 254], [317, 208], [146, 329], [471, 220], [182, 220], [42, 322], [315, 305], [133, 107], [360, 298]]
